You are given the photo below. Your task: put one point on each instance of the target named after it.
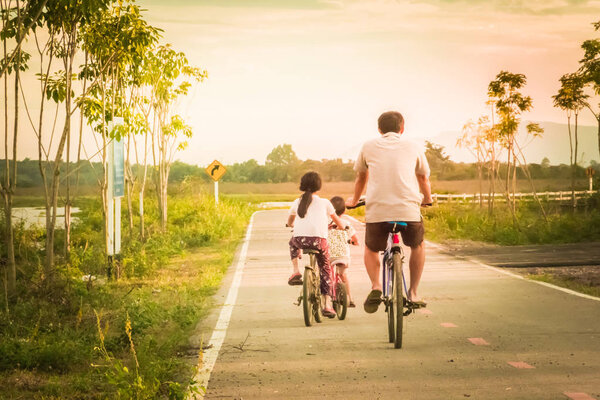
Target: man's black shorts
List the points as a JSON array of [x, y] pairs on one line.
[[376, 235]]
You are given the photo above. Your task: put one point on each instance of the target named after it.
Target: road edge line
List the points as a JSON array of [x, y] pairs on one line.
[[209, 356], [500, 270]]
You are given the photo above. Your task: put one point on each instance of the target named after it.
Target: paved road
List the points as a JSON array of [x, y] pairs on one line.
[[268, 353]]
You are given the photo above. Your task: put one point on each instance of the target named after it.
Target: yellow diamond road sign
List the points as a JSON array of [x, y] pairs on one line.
[[216, 170], [590, 171]]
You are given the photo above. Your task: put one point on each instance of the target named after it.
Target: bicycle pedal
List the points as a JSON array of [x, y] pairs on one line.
[[299, 301]]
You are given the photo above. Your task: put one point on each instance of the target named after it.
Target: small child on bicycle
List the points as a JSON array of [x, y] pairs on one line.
[[339, 244], [310, 232]]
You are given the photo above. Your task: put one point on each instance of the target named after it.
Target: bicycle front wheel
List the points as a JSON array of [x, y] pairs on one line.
[[317, 305], [308, 297], [389, 282], [340, 304], [398, 300]]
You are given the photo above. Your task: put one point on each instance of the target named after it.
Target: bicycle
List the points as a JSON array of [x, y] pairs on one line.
[[339, 296], [310, 296], [394, 293], [311, 290]]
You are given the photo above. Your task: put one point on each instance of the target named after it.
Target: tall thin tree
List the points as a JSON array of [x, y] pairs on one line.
[[572, 99]]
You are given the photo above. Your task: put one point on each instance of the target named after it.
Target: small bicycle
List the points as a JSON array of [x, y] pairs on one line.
[[310, 297], [397, 305]]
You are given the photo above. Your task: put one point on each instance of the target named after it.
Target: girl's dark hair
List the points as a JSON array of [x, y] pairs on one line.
[[339, 204], [309, 184]]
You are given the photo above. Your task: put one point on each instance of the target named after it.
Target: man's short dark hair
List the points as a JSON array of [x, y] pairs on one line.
[[391, 121]]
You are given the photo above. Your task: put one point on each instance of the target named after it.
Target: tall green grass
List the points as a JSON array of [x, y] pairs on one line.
[[49, 337], [466, 221]]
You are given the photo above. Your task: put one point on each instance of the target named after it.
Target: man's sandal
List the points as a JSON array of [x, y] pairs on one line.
[[372, 302], [416, 304]]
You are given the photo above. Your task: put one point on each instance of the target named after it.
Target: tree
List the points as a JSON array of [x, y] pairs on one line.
[[281, 161], [111, 65], [13, 21], [282, 155], [572, 99], [509, 105], [475, 139], [167, 76], [64, 20], [590, 71], [438, 160], [545, 163]]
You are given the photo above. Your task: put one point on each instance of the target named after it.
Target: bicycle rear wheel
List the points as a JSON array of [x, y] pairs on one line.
[[308, 297], [388, 270], [341, 301], [398, 300]]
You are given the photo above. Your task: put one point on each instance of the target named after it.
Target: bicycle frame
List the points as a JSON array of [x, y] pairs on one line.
[[387, 268]]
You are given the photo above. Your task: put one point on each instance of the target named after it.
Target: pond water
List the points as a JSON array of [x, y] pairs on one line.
[[36, 216]]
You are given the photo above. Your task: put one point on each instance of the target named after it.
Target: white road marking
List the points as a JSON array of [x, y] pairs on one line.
[[502, 271], [209, 358]]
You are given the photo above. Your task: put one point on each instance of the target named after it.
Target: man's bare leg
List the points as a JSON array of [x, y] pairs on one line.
[[416, 264], [373, 267]]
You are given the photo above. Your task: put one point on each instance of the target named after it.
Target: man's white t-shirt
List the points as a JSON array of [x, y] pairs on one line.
[[316, 220], [392, 189]]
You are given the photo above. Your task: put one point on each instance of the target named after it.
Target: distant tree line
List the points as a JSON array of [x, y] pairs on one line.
[[282, 165]]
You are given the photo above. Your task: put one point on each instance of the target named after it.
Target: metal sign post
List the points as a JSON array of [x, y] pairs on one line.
[[216, 170], [116, 190], [590, 173]]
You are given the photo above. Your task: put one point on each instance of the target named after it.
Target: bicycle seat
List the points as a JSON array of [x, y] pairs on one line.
[[309, 251], [397, 226]]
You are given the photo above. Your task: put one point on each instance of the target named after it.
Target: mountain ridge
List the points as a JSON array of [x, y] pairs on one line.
[[554, 144]]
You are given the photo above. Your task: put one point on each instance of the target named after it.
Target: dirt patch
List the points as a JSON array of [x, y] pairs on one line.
[[588, 275], [472, 246], [24, 380]]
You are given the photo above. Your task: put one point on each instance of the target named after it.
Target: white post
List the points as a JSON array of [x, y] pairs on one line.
[[111, 227], [591, 184], [216, 192], [110, 200], [141, 204], [117, 225]]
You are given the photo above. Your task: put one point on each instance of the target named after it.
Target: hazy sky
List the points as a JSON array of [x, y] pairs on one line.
[[317, 74]]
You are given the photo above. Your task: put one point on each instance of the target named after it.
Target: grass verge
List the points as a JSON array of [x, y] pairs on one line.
[[465, 221], [583, 279], [95, 338]]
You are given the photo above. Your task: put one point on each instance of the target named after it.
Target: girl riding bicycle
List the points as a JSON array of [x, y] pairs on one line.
[[310, 232]]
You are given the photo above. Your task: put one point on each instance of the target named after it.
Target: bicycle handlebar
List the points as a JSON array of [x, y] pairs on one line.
[[334, 226], [362, 202]]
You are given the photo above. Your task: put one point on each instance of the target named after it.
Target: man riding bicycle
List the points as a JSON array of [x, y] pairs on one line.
[[396, 174]]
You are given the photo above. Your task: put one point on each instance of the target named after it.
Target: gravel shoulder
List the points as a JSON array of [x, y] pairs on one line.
[[574, 266]]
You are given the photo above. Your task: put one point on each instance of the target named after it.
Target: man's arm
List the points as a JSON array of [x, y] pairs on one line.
[[425, 188], [359, 187]]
